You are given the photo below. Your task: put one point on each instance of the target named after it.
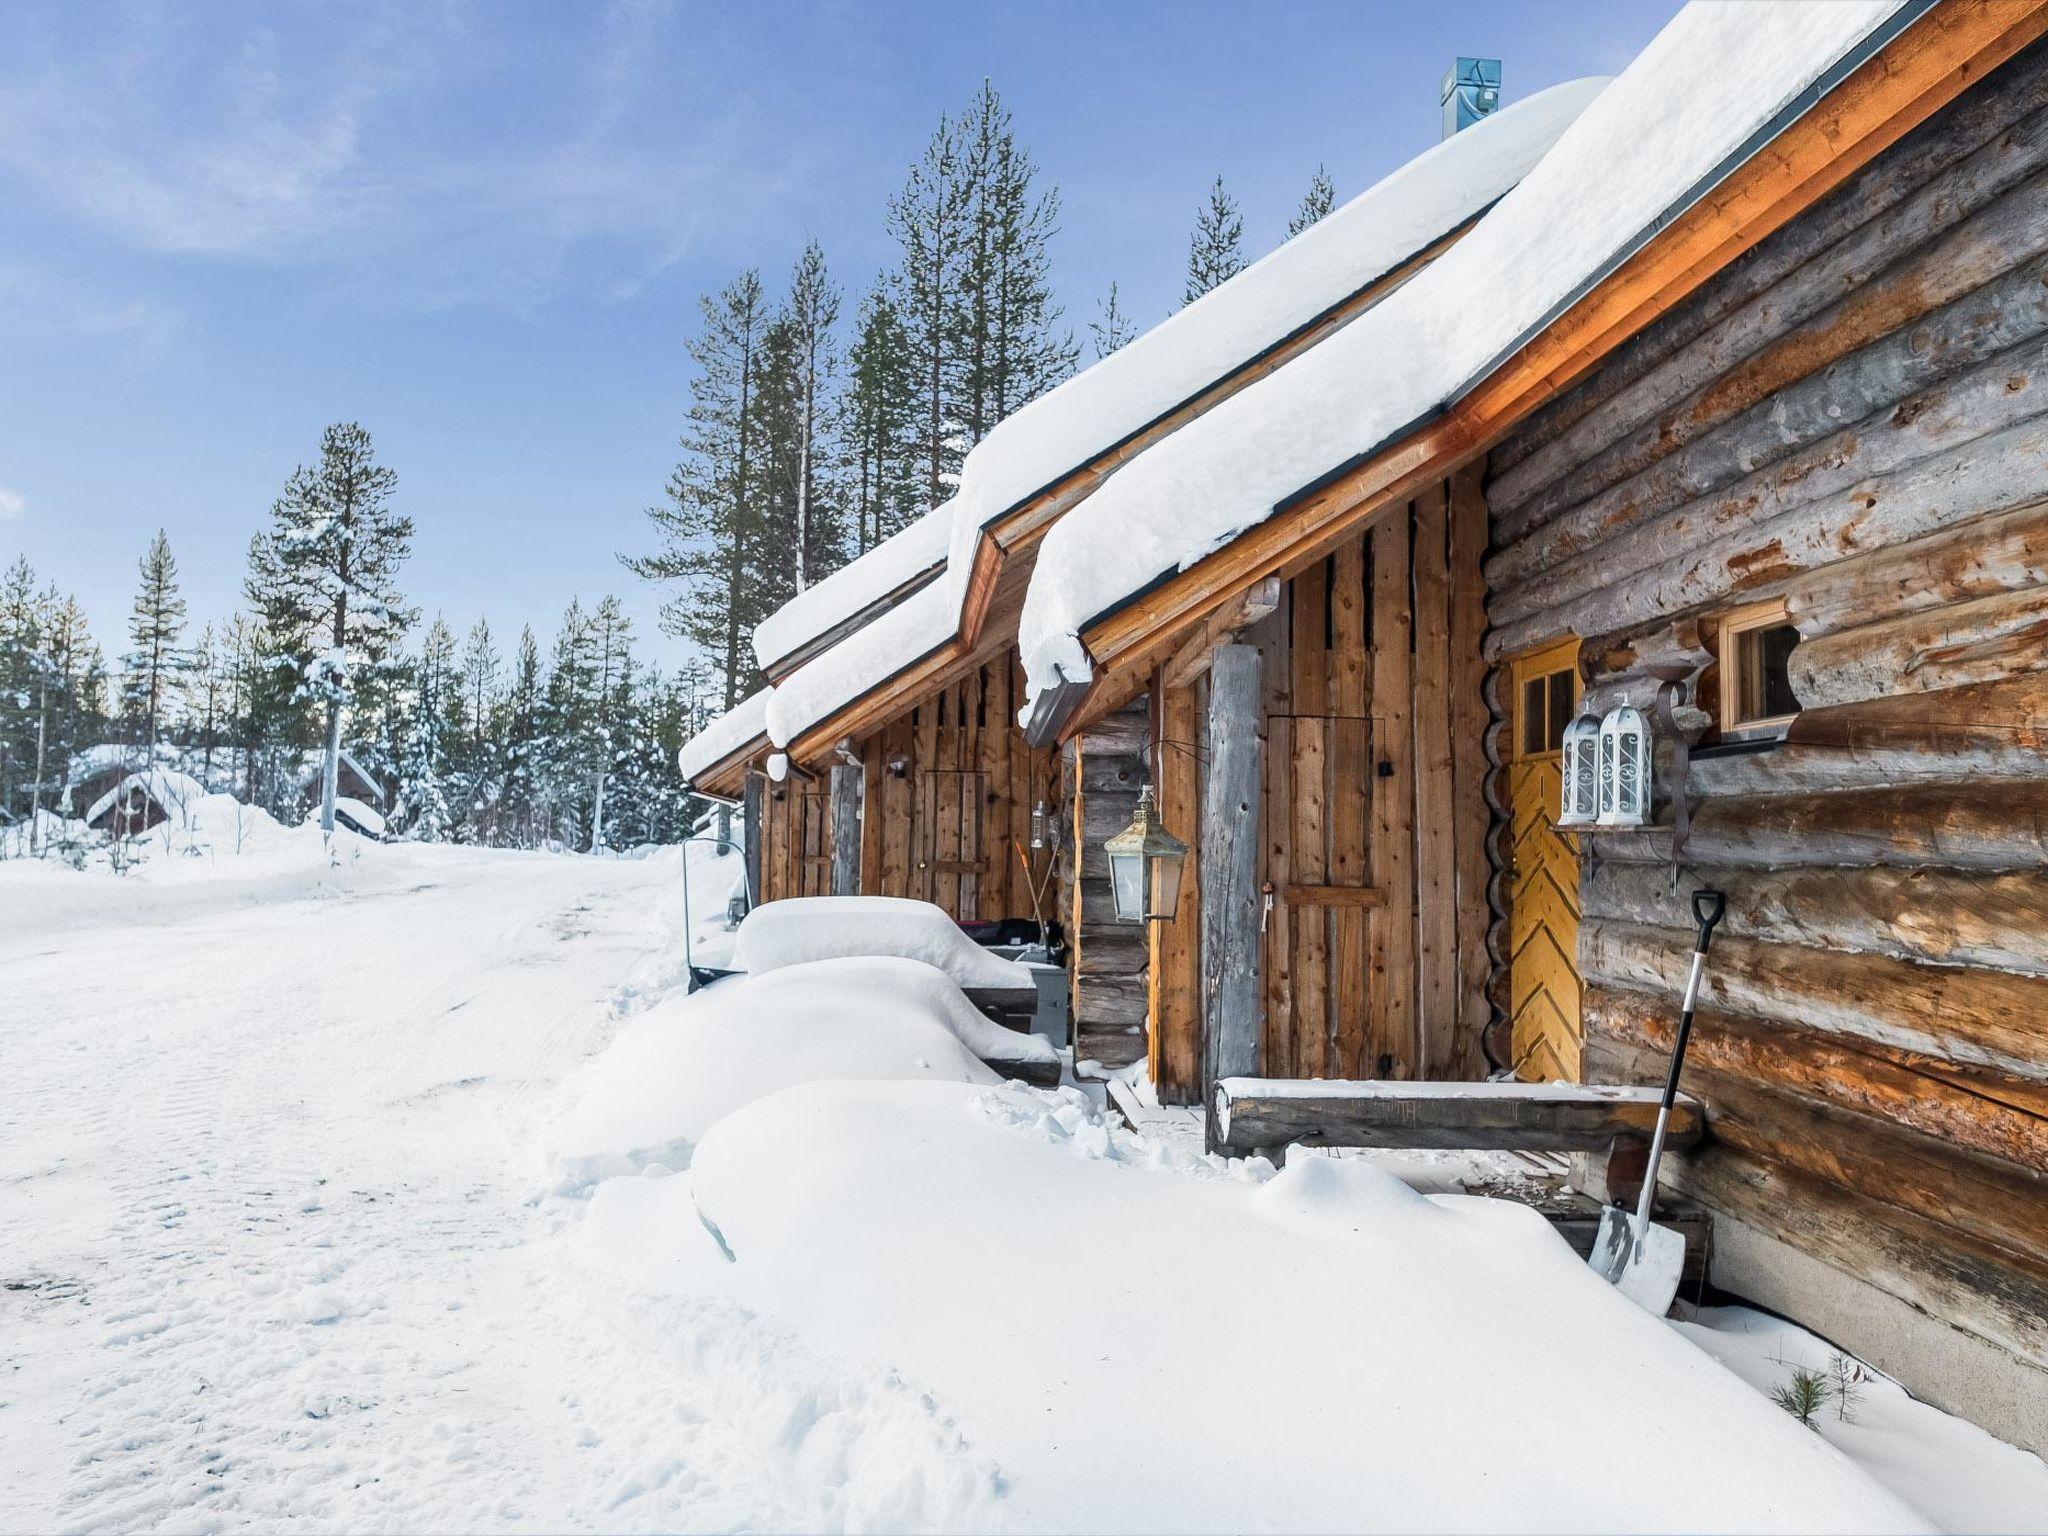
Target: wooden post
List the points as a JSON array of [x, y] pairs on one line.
[[754, 803], [1230, 897], [846, 787]]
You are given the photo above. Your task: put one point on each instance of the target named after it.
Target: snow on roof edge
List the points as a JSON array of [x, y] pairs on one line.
[[868, 659], [722, 737], [1407, 358], [859, 584]]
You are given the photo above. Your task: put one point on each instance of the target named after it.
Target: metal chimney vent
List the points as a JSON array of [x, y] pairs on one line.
[[1471, 90]]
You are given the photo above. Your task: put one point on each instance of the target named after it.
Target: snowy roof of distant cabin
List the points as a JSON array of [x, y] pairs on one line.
[[1707, 92], [166, 786], [892, 565], [1375, 233], [739, 727]]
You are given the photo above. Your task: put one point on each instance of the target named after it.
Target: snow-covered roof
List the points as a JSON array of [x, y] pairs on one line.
[[314, 764], [743, 723], [856, 586], [869, 657], [1354, 246], [1697, 101], [166, 786]]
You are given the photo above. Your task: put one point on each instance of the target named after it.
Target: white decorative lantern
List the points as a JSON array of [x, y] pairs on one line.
[[1624, 768], [1581, 765]]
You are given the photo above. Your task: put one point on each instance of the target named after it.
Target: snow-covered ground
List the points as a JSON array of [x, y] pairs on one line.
[[304, 1220]]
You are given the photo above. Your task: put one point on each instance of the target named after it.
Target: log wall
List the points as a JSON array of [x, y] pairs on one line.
[[1852, 417]]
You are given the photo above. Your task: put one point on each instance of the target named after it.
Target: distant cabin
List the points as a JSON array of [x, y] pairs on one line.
[[141, 802], [354, 782]]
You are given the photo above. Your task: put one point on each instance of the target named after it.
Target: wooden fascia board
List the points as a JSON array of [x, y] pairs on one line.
[[1925, 66], [723, 778], [852, 624], [859, 718]]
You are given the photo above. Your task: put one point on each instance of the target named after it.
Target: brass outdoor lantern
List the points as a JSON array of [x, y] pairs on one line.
[[1144, 867]]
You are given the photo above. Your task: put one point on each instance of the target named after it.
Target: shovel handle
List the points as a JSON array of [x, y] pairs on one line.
[[1708, 908]]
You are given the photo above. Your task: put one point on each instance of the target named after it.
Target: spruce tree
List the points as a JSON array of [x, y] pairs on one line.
[[813, 315], [328, 567], [710, 527], [1215, 250], [610, 653], [207, 688], [929, 221], [1316, 204], [1111, 327], [431, 727], [519, 800], [154, 662], [878, 424], [478, 763]]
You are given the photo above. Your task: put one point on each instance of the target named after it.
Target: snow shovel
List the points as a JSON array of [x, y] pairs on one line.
[[1640, 1260]]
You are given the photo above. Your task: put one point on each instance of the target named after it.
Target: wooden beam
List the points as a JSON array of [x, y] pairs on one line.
[[846, 819], [1924, 67], [1247, 607], [1231, 905], [1174, 1022], [1249, 1113]]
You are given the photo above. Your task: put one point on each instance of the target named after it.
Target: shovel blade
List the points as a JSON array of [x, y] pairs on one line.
[[1643, 1261]]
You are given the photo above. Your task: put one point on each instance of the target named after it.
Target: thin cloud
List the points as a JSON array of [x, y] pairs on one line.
[[12, 504]]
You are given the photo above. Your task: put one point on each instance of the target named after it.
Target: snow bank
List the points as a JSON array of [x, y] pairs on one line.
[[1712, 79], [1370, 236], [724, 736], [680, 1067], [1328, 1352], [357, 816], [866, 659], [855, 586], [805, 928]]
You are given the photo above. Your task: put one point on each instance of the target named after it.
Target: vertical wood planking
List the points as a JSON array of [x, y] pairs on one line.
[[1310, 924], [1351, 989], [846, 819], [1469, 813], [1349, 695], [1230, 857], [1174, 1024], [1436, 874], [1391, 1045], [1275, 828]]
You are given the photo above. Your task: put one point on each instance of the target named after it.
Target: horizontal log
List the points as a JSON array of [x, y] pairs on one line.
[[1980, 717], [1965, 450], [1987, 1198], [1113, 1045], [1251, 1113], [1941, 917], [1111, 951], [1874, 349], [1113, 773], [1970, 1284], [1993, 824], [1986, 1018], [2002, 553], [1128, 732], [1118, 1000], [1919, 176], [1970, 1109], [1986, 640]]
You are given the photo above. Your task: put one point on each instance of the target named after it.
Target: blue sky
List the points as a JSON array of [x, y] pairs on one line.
[[480, 229]]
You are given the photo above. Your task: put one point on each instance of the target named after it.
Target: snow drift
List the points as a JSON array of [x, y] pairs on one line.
[[800, 929]]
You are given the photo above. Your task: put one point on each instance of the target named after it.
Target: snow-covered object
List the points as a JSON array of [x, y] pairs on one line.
[[851, 1209], [170, 789], [685, 1064], [1355, 245], [1668, 127], [866, 659], [743, 723], [898, 559], [358, 816], [800, 929]]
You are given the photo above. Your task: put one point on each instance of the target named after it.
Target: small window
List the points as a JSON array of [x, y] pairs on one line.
[[1756, 676], [1546, 697]]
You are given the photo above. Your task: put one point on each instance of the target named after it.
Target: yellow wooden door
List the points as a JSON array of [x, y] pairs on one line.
[[1544, 876]]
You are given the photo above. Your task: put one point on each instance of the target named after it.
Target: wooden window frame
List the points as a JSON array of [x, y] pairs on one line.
[[1732, 625], [1543, 661]]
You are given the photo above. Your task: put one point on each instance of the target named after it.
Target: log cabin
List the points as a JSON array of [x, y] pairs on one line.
[[884, 756], [1755, 447]]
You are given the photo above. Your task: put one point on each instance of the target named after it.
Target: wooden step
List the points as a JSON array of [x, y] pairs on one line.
[[1248, 1114]]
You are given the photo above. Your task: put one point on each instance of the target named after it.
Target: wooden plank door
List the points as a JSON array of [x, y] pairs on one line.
[[1543, 927], [948, 866]]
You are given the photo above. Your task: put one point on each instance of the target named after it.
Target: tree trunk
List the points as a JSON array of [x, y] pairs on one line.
[[1230, 870]]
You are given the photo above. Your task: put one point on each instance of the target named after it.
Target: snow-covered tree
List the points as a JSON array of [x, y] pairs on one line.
[[432, 726], [1316, 203], [812, 314], [154, 663], [328, 568], [1216, 249]]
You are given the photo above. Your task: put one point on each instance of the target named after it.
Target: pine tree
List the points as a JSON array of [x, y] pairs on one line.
[[520, 798], [878, 424], [813, 313], [563, 755], [929, 221], [1010, 349], [610, 651], [478, 764], [207, 689], [1215, 251], [1112, 327], [1316, 204], [154, 662], [328, 566], [710, 527]]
